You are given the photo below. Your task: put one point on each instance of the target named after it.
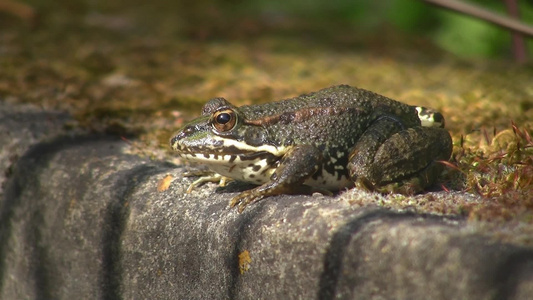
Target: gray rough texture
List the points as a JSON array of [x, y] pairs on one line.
[[22, 126], [80, 218]]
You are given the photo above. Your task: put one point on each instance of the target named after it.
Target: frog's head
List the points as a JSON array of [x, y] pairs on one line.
[[223, 137]]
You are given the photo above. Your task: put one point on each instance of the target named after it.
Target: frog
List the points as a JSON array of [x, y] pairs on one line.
[[340, 137]]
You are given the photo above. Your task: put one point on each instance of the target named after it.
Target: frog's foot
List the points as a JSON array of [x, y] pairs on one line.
[[313, 190], [243, 199], [364, 184], [270, 189], [415, 184], [409, 186], [205, 177], [256, 194]]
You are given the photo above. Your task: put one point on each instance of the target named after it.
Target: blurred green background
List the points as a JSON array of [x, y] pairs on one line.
[[462, 35], [454, 32]]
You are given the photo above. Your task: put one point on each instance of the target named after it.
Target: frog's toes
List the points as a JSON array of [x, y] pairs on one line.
[[243, 199], [323, 192], [235, 200], [242, 206], [364, 184], [410, 187], [414, 184]]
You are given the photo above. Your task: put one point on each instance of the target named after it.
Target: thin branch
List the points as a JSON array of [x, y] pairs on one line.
[[484, 14], [519, 44]]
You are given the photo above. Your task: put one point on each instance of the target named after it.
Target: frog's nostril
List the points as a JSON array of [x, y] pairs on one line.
[[188, 130], [178, 137], [183, 134]]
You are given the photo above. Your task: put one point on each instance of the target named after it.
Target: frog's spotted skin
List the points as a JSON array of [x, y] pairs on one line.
[[325, 140]]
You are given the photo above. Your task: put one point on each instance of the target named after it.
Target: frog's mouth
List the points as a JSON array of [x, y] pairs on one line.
[[209, 145], [231, 158]]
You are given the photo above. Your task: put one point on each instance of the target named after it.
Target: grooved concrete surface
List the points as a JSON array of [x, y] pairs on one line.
[[82, 219]]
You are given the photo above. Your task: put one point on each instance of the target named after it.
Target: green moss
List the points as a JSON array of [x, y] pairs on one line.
[[501, 171]]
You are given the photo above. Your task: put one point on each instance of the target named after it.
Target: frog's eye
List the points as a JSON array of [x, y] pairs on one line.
[[224, 120]]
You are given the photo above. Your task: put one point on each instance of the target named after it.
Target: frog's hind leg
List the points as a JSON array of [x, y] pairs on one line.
[[404, 162]]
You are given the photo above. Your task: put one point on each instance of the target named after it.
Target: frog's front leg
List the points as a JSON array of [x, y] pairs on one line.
[[298, 164], [205, 176], [389, 158]]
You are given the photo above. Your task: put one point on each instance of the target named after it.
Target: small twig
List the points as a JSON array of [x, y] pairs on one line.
[[519, 45], [484, 14]]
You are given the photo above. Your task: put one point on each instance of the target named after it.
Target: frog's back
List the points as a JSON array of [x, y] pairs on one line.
[[338, 114], [340, 96]]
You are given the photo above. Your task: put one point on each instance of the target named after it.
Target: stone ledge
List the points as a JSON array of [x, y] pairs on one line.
[[22, 126], [79, 217]]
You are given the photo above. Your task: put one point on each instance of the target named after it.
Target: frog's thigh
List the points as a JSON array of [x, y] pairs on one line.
[[406, 161], [361, 160]]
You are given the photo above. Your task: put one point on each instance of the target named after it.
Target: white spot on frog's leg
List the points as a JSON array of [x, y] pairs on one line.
[[429, 117]]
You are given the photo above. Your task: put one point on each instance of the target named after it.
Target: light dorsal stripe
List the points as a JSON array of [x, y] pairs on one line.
[[300, 115], [276, 151]]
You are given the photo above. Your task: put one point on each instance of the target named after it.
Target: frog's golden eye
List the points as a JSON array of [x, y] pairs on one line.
[[224, 120]]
